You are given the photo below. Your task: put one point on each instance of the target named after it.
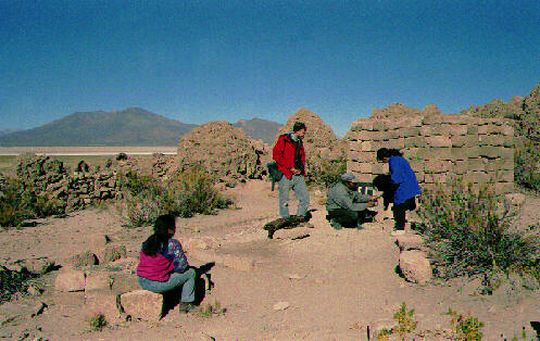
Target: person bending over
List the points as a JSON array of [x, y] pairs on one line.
[[163, 265], [346, 206], [405, 185]]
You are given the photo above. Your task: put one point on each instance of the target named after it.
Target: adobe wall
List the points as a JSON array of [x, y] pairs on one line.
[[438, 147]]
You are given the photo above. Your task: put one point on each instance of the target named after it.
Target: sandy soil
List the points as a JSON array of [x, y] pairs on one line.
[[336, 283]]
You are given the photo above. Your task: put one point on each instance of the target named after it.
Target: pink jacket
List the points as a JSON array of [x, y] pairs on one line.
[[155, 268]]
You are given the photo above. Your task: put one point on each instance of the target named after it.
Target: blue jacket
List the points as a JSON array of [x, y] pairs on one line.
[[403, 177]]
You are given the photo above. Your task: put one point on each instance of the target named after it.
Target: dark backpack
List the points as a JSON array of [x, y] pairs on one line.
[[274, 173]]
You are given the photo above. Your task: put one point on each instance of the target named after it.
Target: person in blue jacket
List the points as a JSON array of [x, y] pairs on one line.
[[404, 181]]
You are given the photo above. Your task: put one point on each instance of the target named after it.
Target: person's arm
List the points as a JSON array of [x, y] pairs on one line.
[[396, 170], [176, 253], [345, 200]]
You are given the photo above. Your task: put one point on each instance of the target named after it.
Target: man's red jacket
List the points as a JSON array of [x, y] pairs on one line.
[[283, 154]]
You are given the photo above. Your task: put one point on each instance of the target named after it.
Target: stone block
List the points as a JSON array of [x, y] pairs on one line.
[[464, 141], [491, 152], [123, 282], [499, 164], [478, 177], [504, 187], [456, 130], [436, 178], [490, 140], [439, 141], [415, 142], [69, 280], [460, 167], [439, 130], [84, 259], [362, 124], [436, 166], [505, 130], [396, 143], [504, 176], [476, 164], [142, 304], [370, 146], [435, 154], [415, 266], [362, 156], [408, 242], [410, 132], [103, 302], [98, 281]]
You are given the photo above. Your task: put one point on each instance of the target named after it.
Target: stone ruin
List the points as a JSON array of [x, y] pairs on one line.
[[225, 151], [320, 142], [438, 146]]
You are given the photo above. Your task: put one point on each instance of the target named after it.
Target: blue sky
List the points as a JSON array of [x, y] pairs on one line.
[[197, 61]]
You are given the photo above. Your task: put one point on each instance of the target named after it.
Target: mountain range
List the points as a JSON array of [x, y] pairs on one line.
[[129, 127]]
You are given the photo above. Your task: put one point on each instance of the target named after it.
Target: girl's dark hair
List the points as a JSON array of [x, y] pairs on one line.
[[387, 152], [160, 236]]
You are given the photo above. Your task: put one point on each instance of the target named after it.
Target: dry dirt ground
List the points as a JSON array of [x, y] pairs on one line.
[[334, 283]]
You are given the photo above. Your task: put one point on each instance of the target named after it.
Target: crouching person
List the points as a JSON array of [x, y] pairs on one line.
[[346, 206], [163, 266]]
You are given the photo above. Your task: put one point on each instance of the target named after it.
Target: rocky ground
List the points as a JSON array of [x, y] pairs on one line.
[[310, 283]]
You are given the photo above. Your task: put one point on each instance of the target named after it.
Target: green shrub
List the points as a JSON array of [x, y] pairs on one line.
[[465, 327], [13, 282], [323, 173], [470, 233], [406, 323], [189, 193], [13, 209], [97, 322]]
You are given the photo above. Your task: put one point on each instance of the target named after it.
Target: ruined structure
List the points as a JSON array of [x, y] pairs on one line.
[[223, 150], [438, 146]]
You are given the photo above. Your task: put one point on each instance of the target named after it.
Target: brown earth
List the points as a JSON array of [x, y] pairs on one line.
[[334, 283]]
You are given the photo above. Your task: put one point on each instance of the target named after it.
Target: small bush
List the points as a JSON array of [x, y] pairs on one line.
[[13, 282], [469, 233], [406, 323], [13, 208], [209, 310], [97, 323], [189, 193], [465, 327], [323, 173]]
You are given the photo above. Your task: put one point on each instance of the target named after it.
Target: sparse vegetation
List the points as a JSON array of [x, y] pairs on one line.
[[465, 327], [97, 323], [190, 192], [323, 173], [470, 233], [14, 283], [209, 310], [405, 324]]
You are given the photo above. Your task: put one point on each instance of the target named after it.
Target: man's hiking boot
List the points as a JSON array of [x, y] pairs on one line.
[[185, 308]]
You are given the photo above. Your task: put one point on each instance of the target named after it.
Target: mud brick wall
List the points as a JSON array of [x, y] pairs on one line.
[[438, 148]]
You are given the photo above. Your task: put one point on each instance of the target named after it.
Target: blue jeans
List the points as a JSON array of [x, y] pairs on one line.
[[186, 280], [298, 185]]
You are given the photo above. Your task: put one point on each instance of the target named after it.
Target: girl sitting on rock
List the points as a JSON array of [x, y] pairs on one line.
[[163, 265]]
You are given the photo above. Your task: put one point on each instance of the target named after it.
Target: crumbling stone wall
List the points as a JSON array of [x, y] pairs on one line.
[[437, 146]]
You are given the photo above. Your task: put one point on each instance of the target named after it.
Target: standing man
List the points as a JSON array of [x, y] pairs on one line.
[[291, 161]]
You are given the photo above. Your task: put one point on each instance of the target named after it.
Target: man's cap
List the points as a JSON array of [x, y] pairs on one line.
[[350, 177]]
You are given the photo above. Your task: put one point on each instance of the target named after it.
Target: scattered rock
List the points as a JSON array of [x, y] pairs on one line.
[[295, 276], [98, 281], [204, 243], [142, 304], [281, 306], [70, 280], [103, 301], [86, 258], [114, 252], [39, 309], [410, 242], [415, 266]]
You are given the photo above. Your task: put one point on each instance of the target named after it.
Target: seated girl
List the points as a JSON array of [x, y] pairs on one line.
[[163, 266]]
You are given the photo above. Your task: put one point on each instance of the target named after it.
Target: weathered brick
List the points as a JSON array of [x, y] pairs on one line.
[[417, 141], [478, 177], [490, 140], [142, 304], [504, 187], [103, 302], [436, 178], [460, 167], [499, 164], [410, 131], [398, 143], [476, 164], [370, 146], [437, 166], [504, 176], [456, 130], [464, 141], [439, 141]]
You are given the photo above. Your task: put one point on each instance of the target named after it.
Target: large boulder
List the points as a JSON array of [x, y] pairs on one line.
[[415, 266], [142, 304], [69, 280]]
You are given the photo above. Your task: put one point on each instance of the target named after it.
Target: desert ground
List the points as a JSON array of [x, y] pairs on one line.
[[311, 283]]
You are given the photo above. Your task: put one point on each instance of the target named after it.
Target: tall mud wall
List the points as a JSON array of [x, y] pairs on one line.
[[439, 147]]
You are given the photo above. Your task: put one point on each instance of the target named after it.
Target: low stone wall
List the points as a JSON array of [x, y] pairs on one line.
[[438, 147]]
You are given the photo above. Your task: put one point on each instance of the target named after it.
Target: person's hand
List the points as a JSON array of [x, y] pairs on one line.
[[295, 171]]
